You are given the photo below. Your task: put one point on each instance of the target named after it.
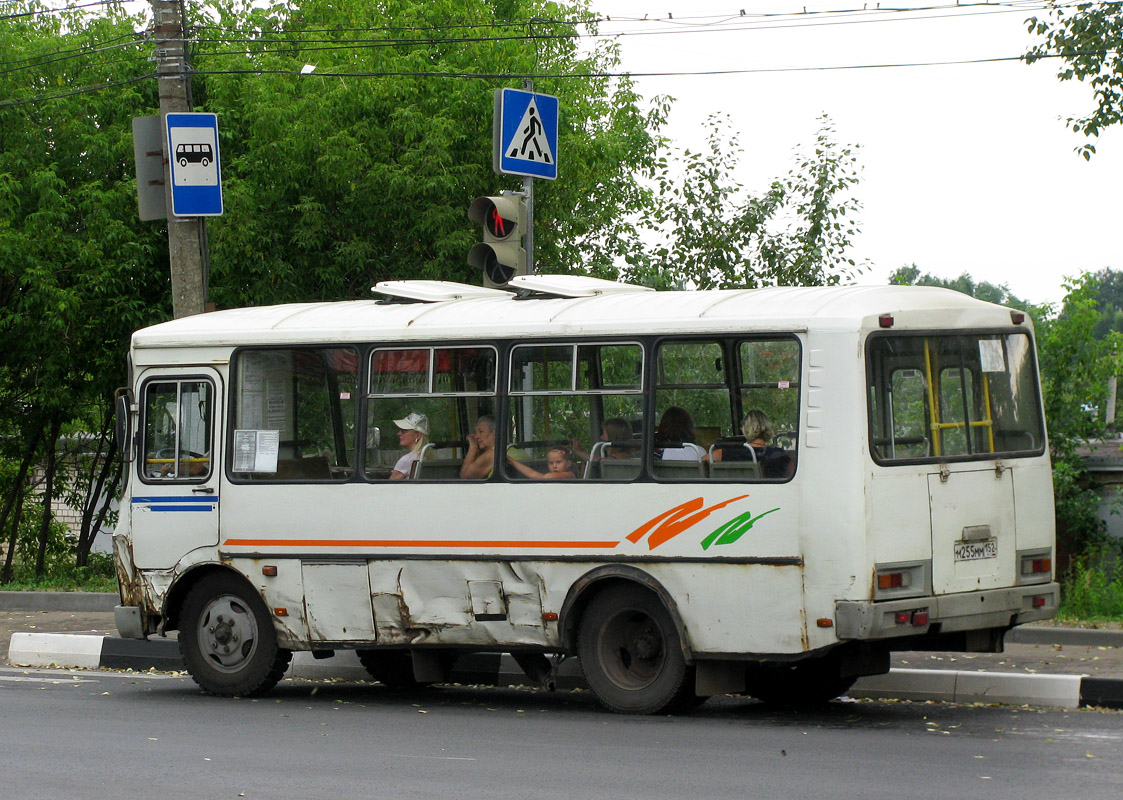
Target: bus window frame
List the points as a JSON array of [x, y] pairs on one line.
[[354, 455], [510, 397], [730, 343], [142, 428], [976, 334]]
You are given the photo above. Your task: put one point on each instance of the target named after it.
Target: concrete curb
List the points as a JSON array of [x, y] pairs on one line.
[[58, 601], [111, 652]]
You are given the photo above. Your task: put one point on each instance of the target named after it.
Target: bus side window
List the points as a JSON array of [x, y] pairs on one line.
[[574, 395], [452, 387], [295, 414]]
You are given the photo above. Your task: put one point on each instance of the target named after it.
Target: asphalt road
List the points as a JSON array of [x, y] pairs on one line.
[[78, 735]]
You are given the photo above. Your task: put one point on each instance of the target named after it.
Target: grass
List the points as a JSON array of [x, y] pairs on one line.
[[98, 576], [1092, 590]]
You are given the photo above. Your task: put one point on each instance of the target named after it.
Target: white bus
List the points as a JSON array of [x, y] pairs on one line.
[[903, 500]]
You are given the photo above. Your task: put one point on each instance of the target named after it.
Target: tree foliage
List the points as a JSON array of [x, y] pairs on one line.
[[334, 183], [711, 233], [983, 290], [78, 271], [1088, 38]]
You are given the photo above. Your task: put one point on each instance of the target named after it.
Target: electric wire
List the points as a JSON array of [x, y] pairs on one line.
[[300, 44]]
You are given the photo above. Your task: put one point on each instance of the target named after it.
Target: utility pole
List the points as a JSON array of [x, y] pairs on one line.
[[186, 235]]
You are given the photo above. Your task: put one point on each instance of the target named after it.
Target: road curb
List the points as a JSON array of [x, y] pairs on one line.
[[58, 601], [112, 652]]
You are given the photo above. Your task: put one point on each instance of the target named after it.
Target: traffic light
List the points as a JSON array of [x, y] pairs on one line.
[[500, 255]]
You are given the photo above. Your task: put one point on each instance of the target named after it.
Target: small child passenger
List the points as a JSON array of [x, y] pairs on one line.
[[559, 466]]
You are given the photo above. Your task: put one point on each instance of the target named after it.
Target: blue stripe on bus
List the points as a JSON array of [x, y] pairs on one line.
[[191, 499], [181, 508]]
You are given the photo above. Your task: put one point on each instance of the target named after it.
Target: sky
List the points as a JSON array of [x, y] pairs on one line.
[[965, 168]]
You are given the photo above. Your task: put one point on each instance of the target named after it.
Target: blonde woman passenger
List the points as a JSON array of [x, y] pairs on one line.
[[759, 431], [413, 435]]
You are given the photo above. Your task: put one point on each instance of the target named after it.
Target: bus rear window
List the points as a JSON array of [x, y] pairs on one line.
[[946, 398]]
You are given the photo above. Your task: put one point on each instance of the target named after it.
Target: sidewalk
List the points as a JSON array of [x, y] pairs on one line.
[[1043, 664]]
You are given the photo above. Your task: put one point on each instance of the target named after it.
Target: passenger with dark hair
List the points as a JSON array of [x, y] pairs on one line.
[[614, 429], [677, 430]]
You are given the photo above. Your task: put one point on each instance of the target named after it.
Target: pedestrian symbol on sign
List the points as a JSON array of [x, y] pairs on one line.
[[526, 134], [534, 146]]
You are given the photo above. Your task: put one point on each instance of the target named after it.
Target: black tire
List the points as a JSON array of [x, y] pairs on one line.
[[183, 162], [227, 639], [804, 684], [393, 668], [631, 654]]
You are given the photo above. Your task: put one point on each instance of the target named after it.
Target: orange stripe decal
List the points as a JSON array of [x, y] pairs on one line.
[[413, 543], [671, 523]]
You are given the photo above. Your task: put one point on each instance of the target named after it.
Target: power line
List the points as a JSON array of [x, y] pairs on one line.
[[85, 90], [81, 52], [63, 9], [661, 74]]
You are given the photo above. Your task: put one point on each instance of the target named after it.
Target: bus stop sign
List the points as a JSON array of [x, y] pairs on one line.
[[193, 164], [525, 134]]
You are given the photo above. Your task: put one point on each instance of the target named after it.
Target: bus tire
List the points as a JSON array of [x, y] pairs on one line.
[[227, 639], [392, 668], [630, 653]]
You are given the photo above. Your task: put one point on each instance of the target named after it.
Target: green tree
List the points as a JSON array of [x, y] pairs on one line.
[[983, 290], [1075, 368], [1088, 39], [712, 234], [78, 271], [363, 170]]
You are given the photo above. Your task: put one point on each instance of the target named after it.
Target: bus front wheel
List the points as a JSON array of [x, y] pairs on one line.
[[631, 655], [227, 639]]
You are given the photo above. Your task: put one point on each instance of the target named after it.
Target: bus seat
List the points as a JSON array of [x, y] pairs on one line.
[[438, 468], [679, 470], [314, 468], [620, 469], [735, 470]]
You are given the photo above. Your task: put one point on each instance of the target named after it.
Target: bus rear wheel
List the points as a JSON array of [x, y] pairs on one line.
[[631, 655], [227, 639], [393, 668]]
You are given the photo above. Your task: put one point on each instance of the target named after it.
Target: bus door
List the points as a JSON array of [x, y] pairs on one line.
[[174, 504], [973, 538]]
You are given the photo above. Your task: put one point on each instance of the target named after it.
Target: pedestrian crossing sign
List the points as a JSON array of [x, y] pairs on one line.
[[526, 134]]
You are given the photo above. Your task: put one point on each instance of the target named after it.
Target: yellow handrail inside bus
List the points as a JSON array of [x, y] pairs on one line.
[[936, 426], [933, 407]]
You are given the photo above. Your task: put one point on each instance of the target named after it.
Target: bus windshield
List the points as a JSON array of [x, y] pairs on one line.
[[952, 397]]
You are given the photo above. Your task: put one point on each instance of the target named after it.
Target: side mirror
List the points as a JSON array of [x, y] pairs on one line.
[[122, 404]]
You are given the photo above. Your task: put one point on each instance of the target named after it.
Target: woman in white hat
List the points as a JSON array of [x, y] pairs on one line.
[[413, 434]]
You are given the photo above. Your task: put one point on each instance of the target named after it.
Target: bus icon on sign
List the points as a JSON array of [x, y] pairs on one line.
[[194, 154]]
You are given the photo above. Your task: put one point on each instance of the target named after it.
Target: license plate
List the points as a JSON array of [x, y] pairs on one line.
[[976, 551]]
